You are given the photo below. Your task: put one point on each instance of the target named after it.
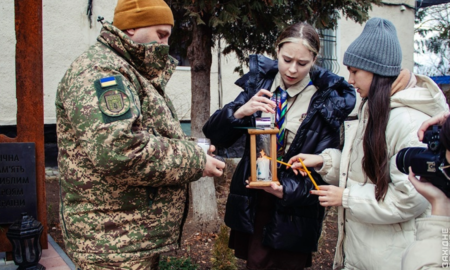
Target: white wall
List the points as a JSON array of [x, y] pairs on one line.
[[66, 35], [403, 21], [179, 87], [8, 104]]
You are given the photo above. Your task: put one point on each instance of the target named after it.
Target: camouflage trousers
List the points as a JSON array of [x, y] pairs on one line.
[[147, 264]]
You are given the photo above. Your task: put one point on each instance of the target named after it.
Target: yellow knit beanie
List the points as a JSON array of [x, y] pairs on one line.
[[141, 13]]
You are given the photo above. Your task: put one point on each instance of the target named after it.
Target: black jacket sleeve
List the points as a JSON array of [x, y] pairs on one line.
[[340, 97], [223, 129], [296, 188]]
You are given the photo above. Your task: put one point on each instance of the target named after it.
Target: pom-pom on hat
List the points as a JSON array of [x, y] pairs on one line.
[[141, 13], [376, 50]]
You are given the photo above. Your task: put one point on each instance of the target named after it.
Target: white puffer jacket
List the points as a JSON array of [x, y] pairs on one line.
[[372, 234], [431, 249]]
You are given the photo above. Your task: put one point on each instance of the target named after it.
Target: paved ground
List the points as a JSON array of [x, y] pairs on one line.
[[52, 258]]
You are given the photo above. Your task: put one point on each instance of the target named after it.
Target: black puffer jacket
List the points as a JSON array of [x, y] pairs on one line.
[[297, 221]]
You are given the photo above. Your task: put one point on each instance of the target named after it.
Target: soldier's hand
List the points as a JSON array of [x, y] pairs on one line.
[[213, 167], [211, 149]]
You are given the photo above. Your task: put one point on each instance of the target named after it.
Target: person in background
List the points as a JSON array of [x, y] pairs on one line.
[[123, 158], [377, 205], [279, 227], [431, 249]]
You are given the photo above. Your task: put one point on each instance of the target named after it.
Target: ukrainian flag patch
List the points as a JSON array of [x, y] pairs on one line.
[[108, 81]]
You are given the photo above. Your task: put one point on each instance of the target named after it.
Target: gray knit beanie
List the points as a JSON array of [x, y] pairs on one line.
[[376, 50]]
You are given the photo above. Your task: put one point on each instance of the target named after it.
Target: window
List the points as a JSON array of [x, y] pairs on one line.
[[327, 58]]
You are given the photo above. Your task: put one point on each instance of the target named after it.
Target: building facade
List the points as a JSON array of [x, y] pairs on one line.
[[67, 32]]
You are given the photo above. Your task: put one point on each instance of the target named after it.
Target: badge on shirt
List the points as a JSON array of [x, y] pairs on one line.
[[113, 100], [303, 117]]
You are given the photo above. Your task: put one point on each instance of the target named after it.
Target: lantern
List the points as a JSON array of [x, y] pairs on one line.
[[24, 235], [263, 165]]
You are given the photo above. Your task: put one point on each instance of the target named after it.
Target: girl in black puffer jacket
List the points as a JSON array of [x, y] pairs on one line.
[[279, 228]]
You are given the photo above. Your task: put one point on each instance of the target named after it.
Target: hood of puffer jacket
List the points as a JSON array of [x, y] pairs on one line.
[[340, 98], [152, 60], [262, 70], [425, 96]]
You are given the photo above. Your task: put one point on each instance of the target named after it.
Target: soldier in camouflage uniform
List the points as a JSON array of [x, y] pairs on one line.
[[124, 160]]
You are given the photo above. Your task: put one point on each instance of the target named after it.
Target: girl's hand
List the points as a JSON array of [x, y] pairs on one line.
[[440, 204], [273, 189], [309, 160], [436, 120], [329, 195], [258, 102]]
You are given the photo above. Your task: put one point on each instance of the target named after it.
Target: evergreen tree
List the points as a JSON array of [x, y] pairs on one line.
[[433, 26]]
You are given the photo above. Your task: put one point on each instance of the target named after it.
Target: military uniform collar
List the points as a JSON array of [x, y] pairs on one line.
[[151, 60]]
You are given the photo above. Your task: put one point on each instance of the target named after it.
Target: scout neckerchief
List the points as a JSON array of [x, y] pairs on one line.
[[281, 101]]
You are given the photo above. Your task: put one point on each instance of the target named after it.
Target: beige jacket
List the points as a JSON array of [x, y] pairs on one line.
[[431, 249], [372, 234]]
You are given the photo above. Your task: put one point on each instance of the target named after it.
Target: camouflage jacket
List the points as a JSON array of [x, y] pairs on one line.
[[124, 160]]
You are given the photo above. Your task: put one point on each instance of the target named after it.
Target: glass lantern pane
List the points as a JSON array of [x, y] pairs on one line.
[[263, 162], [17, 252], [29, 250]]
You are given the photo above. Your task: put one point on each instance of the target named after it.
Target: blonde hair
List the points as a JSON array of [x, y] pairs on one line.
[[300, 33]]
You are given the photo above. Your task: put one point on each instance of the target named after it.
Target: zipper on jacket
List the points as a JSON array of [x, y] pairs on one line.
[[62, 208], [185, 214]]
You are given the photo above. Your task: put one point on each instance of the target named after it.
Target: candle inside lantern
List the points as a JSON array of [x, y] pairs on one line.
[[263, 168]]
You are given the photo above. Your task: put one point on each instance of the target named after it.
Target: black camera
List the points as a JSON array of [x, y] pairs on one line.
[[427, 162]]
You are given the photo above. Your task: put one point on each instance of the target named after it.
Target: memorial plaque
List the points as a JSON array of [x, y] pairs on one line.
[[17, 181]]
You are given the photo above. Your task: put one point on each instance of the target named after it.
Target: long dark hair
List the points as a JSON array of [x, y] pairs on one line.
[[375, 161]]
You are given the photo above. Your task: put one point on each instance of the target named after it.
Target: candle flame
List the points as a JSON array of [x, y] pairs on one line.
[[262, 153]]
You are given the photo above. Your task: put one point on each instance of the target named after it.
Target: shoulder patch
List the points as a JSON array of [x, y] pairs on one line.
[[113, 100], [114, 103]]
